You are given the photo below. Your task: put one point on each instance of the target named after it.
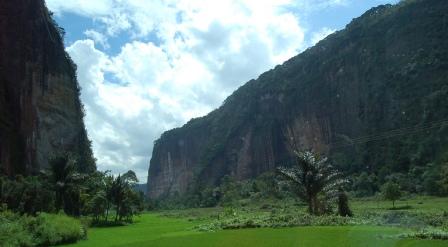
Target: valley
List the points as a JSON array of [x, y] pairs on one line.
[[138, 124], [170, 228]]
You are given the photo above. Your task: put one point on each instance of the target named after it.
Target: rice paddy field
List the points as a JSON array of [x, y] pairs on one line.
[[179, 228]]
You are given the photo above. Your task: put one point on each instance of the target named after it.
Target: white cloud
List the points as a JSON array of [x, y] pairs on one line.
[[316, 5], [98, 38], [87, 8], [198, 53]]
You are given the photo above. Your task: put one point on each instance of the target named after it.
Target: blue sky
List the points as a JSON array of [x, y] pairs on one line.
[[146, 66]]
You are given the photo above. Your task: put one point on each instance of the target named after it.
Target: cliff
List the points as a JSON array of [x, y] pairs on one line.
[[373, 97], [40, 110]]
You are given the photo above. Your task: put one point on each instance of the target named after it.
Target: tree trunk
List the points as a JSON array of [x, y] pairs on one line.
[[310, 206], [107, 210], [316, 205], [118, 211], [313, 207]]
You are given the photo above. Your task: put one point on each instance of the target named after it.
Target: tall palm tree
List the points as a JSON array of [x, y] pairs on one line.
[[121, 192], [310, 177], [66, 181], [118, 194]]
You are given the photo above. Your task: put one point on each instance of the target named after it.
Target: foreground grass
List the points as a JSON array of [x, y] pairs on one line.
[[422, 203], [182, 227], [298, 236], [155, 230], [147, 228]]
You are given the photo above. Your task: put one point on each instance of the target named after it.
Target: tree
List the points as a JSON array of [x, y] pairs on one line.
[[443, 182], [96, 205], [365, 184], [310, 178], [66, 182], [126, 199], [37, 196], [103, 192], [94, 197], [108, 189], [391, 191], [117, 192], [229, 190]]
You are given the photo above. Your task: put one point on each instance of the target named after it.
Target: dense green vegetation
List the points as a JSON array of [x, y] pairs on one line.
[[34, 208], [312, 180], [63, 187], [412, 212], [42, 230], [305, 195]]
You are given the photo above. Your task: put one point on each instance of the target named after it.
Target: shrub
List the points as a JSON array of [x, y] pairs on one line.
[[276, 220], [52, 229], [343, 207], [433, 234], [42, 230], [13, 232]]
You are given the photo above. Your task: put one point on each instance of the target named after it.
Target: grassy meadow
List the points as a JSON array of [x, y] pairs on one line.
[[189, 227]]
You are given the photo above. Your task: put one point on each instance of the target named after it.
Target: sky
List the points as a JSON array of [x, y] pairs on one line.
[[147, 66]]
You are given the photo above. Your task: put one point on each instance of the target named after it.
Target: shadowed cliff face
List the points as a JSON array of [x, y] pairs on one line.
[[40, 110], [387, 71]]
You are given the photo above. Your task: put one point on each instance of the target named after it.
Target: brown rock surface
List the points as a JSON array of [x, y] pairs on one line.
[[40, 109]]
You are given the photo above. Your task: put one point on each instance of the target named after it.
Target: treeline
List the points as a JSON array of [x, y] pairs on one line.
[[62, 188], [428, 180], [431, 179], [229, 193], [311, 179]]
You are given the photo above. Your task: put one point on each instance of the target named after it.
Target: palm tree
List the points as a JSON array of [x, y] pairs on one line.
[[122, 193], [95, 200], [311, 177], [118, 194], [66, 181], [108, 183]]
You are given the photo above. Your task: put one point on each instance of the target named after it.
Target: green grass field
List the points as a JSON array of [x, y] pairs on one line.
[[176, 228], [154, 230], [421, 203]]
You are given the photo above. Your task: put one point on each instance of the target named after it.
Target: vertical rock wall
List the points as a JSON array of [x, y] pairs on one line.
[[354, 96], [40, 110]]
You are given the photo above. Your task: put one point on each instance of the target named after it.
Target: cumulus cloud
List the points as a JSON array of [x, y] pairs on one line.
[[182, 59], [98, 37]]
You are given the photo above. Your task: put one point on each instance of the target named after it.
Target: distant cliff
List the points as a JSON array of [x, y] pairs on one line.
[[373, 97], [40, 109]]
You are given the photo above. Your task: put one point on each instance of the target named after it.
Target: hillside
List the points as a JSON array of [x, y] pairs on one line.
[[40, 110], [373, 97]]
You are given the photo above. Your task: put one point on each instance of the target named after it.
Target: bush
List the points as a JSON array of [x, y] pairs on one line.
[[52, 229], [433, 234], [42, 230], [13, 232], [276, 220]]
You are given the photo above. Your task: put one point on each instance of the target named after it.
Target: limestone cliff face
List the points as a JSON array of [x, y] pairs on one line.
[[40, 109], [374, 97]]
